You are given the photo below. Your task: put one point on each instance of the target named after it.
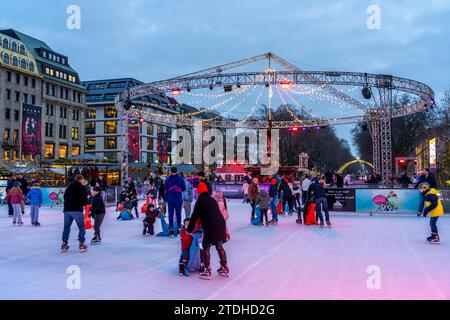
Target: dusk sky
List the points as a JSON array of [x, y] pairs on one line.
[[154, 40]]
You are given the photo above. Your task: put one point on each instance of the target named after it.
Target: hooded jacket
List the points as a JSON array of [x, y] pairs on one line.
[[75, 197], [34, 196], [263, 199], [433, 205]]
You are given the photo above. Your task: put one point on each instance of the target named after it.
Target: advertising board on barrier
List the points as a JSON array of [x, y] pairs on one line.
[[387, 200], [340, 199]]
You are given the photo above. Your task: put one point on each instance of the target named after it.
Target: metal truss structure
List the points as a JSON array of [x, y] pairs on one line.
[[378, 117]]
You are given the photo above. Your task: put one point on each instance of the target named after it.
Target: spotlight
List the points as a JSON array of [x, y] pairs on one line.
[[367, 94], [266, 84], [127, 104], [285, 84], [364, 127], [317, 128], [211, 87], [188, 89], [304, 129], [176, 91], [228, 88], [238, 85]]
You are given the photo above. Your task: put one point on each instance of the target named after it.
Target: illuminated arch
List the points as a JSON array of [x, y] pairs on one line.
[[341, 169]]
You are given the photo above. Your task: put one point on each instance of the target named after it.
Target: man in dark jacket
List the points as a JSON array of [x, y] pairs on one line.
[[75, 198], [287, 196], [317, 192], [207, 211], [23, 186], [202, 178], [273, 196], [9, 186], [174, 187]]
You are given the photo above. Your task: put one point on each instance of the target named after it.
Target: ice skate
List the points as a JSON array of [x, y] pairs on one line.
[[299, 221], [37, 224], [83, 247], [321, 224], [20, 224], [329, 224], [144, 232], [96, 240], [171, 235], [433, 239], [64, 246], [205, 274], [223, 271], [182, 271]]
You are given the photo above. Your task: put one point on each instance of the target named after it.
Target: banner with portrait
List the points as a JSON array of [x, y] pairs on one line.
[[134, 141], [30, 137], [163, 145]]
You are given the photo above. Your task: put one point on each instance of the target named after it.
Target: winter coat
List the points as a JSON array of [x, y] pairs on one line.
[[273, 189], [23, 185], [252, 192], [316, 191], [75, 197], [263, 199], [150, 217], [15, 195], [187, 194], [207, 211], [433, 205], [34, 196], [174, 187], [97, 205], [208, 184], [284, 187]]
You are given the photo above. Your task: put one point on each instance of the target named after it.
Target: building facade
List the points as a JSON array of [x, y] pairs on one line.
[[33, 73], [102, 126]]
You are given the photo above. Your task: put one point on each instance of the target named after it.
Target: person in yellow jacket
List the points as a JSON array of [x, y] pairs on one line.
[[433, 208]]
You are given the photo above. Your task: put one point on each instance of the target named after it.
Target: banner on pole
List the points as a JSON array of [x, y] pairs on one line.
[[134, 145], [31, 127]]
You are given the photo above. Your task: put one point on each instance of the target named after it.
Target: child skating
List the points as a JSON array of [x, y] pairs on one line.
[[15, 196], [263, 201], [433, 208], [186, 242], [150, 217], [34, 196], [97, 213]]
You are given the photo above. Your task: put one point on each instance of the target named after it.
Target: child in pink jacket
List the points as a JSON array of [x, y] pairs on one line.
[[16, 197]]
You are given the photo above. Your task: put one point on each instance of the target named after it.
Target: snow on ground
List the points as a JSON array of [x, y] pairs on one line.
[[288, 261]]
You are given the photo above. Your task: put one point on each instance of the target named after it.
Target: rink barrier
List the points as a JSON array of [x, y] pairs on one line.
[[363, 200]]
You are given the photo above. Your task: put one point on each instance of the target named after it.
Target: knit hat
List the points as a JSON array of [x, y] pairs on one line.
[[202, 187]]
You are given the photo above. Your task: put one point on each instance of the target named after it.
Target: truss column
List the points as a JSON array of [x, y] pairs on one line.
[[124, 143], [386, 134], [375, 130]]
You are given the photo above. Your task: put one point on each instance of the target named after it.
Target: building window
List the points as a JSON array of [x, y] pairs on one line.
[[78, 97], [31, 66], [48, 129], [33, 99], [110, 142], [23, 64], [61, 93], [62, 151], [22, 49], [33, 83], [17, 96], [17, 78], [111, 156], [8, 76], [90, 114], [53, 91], [13, 46], [75, 151], [15, 61], [63, 112], [150, 129], [110, 126], [6, 58], [159, 128], [25, 98], [7, 113], [5, 43], [76, 115], [110, 112], [25, 80], [90, 143], [89, 127], [16, 136], [73, 96], [6, 134], [49, 152], [75, 133], [62, 131], [49, 109], [16, 115], [8, 94], [149, 143], [66, 94]]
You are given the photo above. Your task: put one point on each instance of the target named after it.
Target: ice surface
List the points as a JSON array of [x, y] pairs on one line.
[[287, 261]]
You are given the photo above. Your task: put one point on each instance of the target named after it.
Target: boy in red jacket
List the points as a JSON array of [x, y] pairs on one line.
[[186, 242]]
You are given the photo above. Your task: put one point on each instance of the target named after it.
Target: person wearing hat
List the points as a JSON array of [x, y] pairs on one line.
[[34, 197], [16, 197], [213, 223], [432, 208]]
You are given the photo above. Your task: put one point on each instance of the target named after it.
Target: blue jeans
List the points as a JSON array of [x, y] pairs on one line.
[[69, 216], [433, 224], [273, 207], [322, 204], [175, 207]]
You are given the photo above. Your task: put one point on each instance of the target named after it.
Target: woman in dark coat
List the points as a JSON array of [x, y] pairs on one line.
[[207, 211]]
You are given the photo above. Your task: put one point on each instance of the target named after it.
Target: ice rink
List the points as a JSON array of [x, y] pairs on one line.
[[287, 261]]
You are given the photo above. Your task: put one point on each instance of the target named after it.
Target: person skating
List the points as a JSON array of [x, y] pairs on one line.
[[305, 186], [432, 208], [204, 179], [222, 202], [150, 218], [9, 186], [207, 211], [24, 187], [253, 191], [174, 187], [287, 196], [273, 196], [263, 201], [15, 196], [34, 196], [75, 198], [188, 197], [186, 242], [97, 213], [245, 186], [317, 192]]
